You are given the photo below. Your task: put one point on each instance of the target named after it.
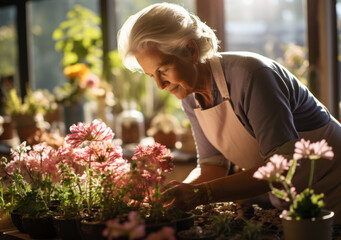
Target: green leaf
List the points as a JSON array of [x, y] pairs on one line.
[[59, 45], [57, 34], [70, 58]]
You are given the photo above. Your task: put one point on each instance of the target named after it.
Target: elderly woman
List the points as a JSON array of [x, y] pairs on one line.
[[243, 107]]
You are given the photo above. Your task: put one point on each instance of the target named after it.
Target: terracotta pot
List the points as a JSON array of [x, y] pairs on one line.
[[55, 116], [8, 130], [316, 228], [25, 125], [67, 229], [39, 227], [167, 139]]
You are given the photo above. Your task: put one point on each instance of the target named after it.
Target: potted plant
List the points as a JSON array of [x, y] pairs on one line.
[[31, 172], [71, 95], [98, 162], [88, 180], [17, 187], [39, 170], [165, 129], [70, 203], [305, 218], [28, 114], [79, 39], [5, 198], [147, 175]]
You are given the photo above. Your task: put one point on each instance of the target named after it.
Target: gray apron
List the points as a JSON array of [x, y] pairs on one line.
[[227, 134]]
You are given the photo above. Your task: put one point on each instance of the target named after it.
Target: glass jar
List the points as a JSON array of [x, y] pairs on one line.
[[130, 124]]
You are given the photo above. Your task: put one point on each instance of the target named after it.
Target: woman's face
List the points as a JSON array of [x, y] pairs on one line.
[[177, 75]]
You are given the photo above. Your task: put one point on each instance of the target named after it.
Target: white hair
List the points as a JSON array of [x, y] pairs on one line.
[[167, 26]]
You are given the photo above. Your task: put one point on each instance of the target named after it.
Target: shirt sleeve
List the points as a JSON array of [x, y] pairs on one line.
[[206, 152]]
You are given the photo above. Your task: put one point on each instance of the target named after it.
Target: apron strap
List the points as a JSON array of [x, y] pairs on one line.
[[219, 78], [218, 75]]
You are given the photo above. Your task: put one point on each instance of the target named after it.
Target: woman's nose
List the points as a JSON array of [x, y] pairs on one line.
[[161, 84]]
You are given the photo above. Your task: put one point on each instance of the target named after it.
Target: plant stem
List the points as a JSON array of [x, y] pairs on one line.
[[90, 185], [311, 174]]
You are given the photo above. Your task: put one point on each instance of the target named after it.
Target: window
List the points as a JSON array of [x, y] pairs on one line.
[[8, 50], [47, 71], [125, 8], [264, 26]]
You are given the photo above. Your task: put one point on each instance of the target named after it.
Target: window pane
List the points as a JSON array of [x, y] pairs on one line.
[[154, 100], [338, 25], [8, 51], [125, 8], [264, 26], [46, 61]]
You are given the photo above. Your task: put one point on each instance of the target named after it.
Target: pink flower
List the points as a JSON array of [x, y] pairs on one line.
[[96, 131], [12, 166], [156, 154], [41, 160], [273, 169], [132, 228], [90, 80], [166, 233], [314, 151], [104, 152], [302, 149], [322, 150]]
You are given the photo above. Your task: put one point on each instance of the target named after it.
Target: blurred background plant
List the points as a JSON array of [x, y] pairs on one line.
[[130, 86], [79, 38], [40, 101], [295, 61], [7, 53], [28, 114], [81, 81]]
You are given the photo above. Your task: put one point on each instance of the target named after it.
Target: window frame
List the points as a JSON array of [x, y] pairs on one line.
[[23, 45]]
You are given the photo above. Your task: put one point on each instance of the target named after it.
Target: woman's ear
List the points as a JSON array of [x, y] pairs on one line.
[[193, 50]]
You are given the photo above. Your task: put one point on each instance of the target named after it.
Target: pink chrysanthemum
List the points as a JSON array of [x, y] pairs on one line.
[[302, 149], [41, 160], [273, 169], [317, 150], [322, 150], [72, 157], [103, 152], [96, 131], [156, 154]]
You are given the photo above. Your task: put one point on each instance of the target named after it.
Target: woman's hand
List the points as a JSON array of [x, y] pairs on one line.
[[186, 196]]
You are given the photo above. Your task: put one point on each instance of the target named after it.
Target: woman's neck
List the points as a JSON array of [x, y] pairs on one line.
[[203, 92]]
